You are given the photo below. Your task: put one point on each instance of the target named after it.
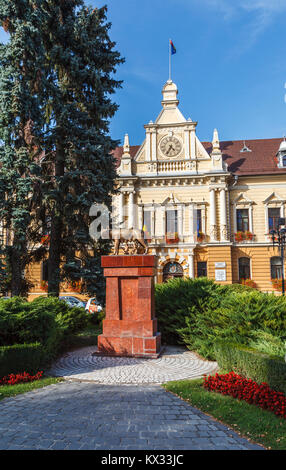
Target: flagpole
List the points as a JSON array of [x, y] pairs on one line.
[[170, 61]]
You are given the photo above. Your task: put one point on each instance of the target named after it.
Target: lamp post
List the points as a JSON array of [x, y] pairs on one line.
[[279, 238]]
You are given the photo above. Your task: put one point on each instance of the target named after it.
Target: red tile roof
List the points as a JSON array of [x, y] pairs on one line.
[[261, 160]]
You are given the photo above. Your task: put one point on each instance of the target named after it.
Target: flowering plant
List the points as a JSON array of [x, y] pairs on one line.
[[277, 284], [147, 236], [172, 237], [75, 286], [239, 236], [246, 389], [249, 235], [13, 379], [44, 286], [200, 236], [248, 282], [45, 240], [270, 237]]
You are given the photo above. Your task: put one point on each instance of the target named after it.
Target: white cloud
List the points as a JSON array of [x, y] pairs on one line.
[[258, 15], [231, 7]]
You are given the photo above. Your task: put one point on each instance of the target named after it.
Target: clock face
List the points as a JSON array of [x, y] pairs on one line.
[[170, 146]]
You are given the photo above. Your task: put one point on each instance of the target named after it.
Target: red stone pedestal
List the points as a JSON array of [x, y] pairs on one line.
[[130, 327]]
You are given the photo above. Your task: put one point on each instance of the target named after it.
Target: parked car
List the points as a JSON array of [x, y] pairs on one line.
[[93, 306], [73, 301]]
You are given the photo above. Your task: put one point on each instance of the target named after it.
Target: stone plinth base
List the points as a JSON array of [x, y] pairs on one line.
[[130, 327]]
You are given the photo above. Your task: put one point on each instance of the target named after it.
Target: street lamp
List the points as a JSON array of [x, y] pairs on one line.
[[279, 238]]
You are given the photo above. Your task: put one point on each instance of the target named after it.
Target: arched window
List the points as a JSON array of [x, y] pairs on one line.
[[276, 267], [244, 268], [172, 270]]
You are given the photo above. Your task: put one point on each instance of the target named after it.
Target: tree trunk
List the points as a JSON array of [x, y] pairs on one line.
[[54, 257], [54, 261], [17, 284]]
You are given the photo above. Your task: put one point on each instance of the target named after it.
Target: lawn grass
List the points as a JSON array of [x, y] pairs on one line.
[[258, 425], [13, 390]]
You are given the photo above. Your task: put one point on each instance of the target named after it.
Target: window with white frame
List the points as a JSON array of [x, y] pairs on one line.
[[274, 214], [147, 224], [276, 267], [242, 220], [171, 222]]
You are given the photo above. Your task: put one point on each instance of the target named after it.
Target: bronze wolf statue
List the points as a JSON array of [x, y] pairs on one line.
[[122, 236]]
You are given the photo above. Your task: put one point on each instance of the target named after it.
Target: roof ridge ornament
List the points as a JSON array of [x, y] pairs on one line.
[[245, 148]]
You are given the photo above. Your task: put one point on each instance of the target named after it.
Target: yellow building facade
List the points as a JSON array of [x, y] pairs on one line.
[[206, 207]]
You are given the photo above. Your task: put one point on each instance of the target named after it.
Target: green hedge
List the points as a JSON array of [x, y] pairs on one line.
[[21, 358], [252, 364], [197, 312], [47, 320]]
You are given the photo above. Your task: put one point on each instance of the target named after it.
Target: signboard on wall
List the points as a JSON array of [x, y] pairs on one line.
[[220, 274], [220, 265]]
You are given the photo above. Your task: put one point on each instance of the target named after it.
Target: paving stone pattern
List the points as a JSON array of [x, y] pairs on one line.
[[175, 364], [79, 415]]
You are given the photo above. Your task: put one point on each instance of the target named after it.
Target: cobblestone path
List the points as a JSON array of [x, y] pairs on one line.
[[174, 364], [114, 404], [79, 415]]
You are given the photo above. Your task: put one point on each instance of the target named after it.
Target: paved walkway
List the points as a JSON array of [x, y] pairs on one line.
[[79, 415], [176, 363]]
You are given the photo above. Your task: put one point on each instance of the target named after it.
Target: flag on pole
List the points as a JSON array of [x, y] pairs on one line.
[[173, 49]]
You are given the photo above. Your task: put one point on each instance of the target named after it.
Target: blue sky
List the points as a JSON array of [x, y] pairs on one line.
[[230, 64]]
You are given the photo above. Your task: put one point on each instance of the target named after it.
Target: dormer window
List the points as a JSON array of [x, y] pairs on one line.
[[282, 155]]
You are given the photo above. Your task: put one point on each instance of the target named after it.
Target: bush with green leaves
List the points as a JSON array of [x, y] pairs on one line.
[[252, 364], [197, 312], [46, 320], [21, 358]]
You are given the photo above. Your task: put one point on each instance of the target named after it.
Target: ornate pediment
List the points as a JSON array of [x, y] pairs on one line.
[[274, 199], [171, 200], [243, 200]]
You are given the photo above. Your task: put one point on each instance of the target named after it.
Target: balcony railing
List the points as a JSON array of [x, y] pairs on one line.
[[174, 166]]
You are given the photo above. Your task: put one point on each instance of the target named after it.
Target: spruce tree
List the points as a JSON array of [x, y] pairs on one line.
[[81, 61], [21, 123], [56, 82]]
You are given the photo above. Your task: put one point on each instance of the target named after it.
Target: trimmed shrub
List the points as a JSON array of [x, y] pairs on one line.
[[47, 320], [197, 312], [21, 357], [252, 364], [177, 299], [268, 343]]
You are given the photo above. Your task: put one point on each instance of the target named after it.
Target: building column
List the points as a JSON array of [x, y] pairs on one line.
[[180, 221], [140, 217], [213, 228], [191, 265], [154, 145], [193, 144], [121, 209], [153, 222], [223, 216], [131, 210], [250, 214], [163, 221], [187, 145], [191, 223], [148, 146]]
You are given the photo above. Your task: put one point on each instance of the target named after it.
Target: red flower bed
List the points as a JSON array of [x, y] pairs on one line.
[[13, 379], [247, 390]]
